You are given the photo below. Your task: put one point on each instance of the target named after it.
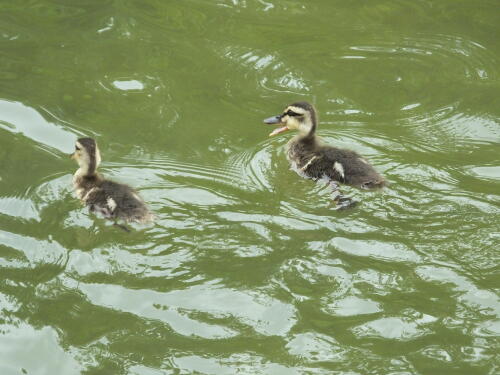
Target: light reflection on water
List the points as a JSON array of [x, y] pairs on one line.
[[248, 268]]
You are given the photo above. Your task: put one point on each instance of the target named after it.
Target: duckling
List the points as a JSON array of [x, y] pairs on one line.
[[311, 158], [113, 200]]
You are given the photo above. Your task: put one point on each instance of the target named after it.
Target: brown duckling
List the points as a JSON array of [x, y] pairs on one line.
[[313, 159], [113, 200]]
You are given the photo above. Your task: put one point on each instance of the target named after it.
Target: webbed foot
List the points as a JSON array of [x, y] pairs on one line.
[[344, 203]]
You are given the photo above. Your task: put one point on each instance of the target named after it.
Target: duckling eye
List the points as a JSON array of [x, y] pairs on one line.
[[77, 148]]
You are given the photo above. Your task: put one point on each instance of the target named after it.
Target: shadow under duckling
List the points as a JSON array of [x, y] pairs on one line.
[[111, 199], [311, 158]]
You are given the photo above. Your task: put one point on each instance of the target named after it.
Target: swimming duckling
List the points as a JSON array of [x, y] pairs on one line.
[[313, 159], [111, 199]]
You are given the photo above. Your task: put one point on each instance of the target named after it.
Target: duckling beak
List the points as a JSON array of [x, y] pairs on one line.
[[72, 156], [275, 120]]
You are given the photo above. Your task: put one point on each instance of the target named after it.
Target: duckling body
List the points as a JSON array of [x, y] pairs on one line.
[[311, 158], [111, 199]]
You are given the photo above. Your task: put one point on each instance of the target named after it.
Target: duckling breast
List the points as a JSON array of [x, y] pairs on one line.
[[85, 185]]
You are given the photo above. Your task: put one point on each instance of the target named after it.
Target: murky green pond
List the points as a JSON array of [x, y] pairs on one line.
[[249, 269]]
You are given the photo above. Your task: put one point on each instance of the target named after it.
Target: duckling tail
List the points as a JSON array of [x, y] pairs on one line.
[[377, 184]]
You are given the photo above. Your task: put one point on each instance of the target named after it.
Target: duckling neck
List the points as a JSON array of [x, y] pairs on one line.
[[83, 177], [85, 172], [308, 131], [307, 140], [310, 134]]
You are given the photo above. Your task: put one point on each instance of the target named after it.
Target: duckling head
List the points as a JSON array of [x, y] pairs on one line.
[[299, 116], [87, 156]]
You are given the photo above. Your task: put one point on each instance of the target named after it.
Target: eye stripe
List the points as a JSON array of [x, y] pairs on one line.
[[292, 113]]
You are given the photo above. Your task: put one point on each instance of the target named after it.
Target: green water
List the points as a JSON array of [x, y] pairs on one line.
[[248, 268]]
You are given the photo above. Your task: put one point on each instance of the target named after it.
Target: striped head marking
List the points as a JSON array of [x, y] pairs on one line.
[[87, 155], [299, 116]]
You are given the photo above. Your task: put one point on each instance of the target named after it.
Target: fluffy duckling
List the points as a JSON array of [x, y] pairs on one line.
[[113, 200], [313, 159]]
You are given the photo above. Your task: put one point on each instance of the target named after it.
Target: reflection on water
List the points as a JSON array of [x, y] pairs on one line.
[[18, 118], [248, 268]]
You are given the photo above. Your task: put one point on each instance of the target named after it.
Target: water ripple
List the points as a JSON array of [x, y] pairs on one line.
[[271, 72]]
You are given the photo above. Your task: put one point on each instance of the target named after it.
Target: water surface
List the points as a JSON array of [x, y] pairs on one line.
[[249, 269]]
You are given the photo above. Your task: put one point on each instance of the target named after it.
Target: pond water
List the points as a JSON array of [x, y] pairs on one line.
[[249, 269]]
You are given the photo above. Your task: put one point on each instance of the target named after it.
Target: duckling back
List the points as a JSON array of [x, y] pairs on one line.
[[352, 169], [111, 199], [123, 202], [314, 160]]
